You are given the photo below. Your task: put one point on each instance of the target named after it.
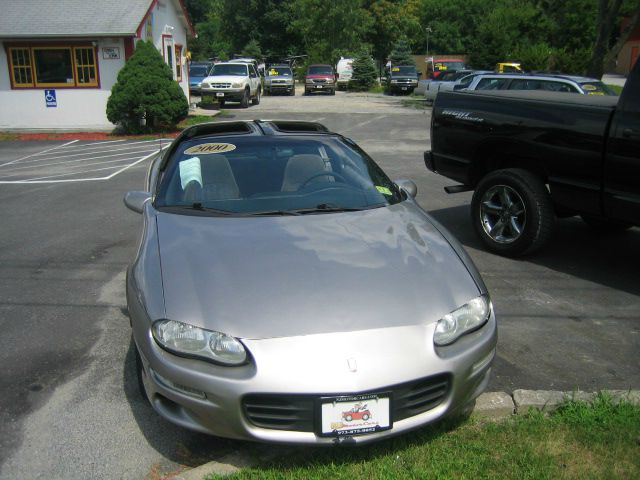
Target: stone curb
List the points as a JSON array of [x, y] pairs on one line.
[[492, 405]]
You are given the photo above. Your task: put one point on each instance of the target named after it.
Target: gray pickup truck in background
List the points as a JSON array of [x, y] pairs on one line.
[[531, 157]]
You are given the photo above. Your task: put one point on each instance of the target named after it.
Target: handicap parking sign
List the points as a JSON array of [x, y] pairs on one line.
[[50, 98]]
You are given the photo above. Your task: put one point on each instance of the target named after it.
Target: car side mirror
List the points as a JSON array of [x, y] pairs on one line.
[[408, 186], [135, 200]]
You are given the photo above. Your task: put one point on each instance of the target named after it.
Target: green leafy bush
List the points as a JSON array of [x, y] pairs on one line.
[[146, 98], [401, 53], [364, 72]]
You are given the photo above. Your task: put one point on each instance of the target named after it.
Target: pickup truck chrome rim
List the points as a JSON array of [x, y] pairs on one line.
[[502, 214]]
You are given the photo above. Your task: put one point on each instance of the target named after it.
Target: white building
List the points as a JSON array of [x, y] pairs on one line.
[[60, 58]]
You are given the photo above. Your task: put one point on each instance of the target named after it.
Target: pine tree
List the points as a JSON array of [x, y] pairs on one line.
[[401, 53], [364, 72], [145, 90]]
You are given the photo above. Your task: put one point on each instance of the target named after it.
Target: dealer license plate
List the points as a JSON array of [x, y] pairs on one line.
[[318, 86], [219, 94], [404, 88], [355, 415]]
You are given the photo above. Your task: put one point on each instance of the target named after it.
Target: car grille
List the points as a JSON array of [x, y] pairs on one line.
[[219, 85], [320, 80], [296, 412], [281, 82]]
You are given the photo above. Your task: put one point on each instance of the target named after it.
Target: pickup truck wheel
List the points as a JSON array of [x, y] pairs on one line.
[[256, 100], [512, 212], [605, 226], [244, 103]]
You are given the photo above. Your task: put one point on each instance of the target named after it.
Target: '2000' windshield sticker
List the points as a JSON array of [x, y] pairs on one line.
[[210, 148], [384, 190]]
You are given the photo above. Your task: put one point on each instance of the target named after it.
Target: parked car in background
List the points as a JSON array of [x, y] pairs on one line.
[[435, 67], [446, 78], [283, 280], [463, 81], [402, 79], [233, 81], [320, 78], [344, 69], [279, 79], [198, 71], [552, 83]]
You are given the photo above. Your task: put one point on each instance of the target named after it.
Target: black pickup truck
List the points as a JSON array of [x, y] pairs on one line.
[[531, 157]]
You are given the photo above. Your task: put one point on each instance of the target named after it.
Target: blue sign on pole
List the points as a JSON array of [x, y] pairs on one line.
[[50, 98]]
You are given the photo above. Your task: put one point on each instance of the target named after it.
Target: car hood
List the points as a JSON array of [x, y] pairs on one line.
[[225, 79], [321, 77], [278, 77], [265, 277]]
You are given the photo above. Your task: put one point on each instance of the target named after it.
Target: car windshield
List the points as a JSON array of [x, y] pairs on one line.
[[279, 71], [272, 176], [198, 71], [320, 70], [441, 66], [220, 69], [597, 88], [403, 71]]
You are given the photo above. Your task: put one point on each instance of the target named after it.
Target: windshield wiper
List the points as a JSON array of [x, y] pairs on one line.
[[331, 208], [273, 212], [200, 208]]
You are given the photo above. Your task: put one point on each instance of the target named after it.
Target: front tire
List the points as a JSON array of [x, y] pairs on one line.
[[512, 212], [256, 100], [244, 103]]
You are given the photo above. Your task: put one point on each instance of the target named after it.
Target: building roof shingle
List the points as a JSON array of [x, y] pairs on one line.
[[71, 18]]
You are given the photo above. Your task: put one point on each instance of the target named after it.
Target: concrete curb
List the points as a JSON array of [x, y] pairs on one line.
[[490, 406]]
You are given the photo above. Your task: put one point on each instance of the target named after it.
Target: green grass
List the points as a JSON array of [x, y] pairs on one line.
[[577, 442], [198, 119], [616, 88], [417, 102], [6, 136]]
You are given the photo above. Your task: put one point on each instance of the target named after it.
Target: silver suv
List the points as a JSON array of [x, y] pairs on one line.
[[279, 79], [547, 82], [233, 81]]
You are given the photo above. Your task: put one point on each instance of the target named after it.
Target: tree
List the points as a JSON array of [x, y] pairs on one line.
[[145, 97], [330, 27], [252, 50], [401, 53], [364, 72], [609, 17]]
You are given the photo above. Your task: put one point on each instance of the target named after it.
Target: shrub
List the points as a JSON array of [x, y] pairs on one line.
[[364, 72], [146, 98], [401, 53]]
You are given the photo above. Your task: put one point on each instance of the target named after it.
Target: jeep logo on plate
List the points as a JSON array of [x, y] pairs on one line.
[[210, 148]]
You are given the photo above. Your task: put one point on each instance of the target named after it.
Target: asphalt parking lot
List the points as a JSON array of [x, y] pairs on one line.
[[568, 317]]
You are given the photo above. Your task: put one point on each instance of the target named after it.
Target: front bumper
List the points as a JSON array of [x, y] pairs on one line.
[[234, 94], [403, 87], [209, 398], [279, 88], [316, 87]]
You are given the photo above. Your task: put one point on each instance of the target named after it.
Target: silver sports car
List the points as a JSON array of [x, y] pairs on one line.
[[285, 290]]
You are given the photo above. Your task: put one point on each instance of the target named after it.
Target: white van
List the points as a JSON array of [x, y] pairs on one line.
[[345, 71]]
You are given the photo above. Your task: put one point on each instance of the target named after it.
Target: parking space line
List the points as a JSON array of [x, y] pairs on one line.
[[33, 154], [120, 160], [362, 124], [141, 148], [95, 146], [91, 179], [89, 158]]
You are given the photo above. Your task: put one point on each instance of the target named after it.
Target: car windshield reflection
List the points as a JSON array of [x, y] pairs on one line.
[[273, 176]]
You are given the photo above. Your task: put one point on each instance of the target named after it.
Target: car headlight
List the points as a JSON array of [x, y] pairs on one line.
[[308, 80], [184, 339], [468, 317], [415, 82], [237, 85]]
